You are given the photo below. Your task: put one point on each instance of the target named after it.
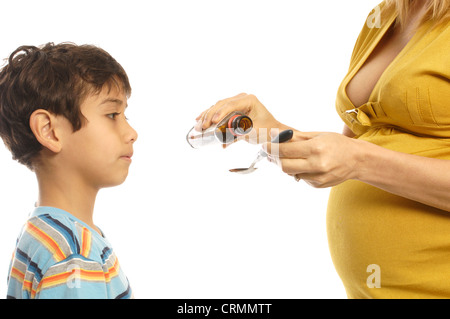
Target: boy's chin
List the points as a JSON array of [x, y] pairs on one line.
[[114, 182]]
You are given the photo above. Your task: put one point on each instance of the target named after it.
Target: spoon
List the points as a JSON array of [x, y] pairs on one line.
[[281, 138]]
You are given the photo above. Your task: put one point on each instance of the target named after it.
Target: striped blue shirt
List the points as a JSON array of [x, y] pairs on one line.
[[59, 256]]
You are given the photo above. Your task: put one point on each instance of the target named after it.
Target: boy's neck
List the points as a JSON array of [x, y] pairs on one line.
[[69, 195]]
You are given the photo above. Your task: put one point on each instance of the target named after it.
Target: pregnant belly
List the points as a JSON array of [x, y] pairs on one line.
[[386, 246]]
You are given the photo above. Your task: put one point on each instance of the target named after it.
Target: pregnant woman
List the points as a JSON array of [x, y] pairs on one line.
[[388, 218]]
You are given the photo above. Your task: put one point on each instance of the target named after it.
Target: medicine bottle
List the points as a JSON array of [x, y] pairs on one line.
[[225, 132]]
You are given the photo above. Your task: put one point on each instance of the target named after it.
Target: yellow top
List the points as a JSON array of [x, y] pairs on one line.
[[383, 245]]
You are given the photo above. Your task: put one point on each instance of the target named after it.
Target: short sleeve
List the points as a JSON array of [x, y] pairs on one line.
[[73, 278]]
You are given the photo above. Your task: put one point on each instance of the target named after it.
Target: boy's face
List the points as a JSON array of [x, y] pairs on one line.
[[99, 154]]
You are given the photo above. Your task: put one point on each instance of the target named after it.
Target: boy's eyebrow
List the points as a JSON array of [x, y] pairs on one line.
[[113, 100]]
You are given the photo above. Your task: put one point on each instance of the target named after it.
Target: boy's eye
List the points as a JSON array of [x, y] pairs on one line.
[[112, 116]]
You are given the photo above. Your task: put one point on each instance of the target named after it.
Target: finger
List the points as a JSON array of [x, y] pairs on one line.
[[317, 180], [294, 166], [291, 166], [289, 149], [215, 111], [298, 135], [199, 119], [201, 115], [199, 125], [302, 136], [243, 103]]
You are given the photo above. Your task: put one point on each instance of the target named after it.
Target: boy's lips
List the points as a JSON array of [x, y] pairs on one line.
[[127, 156]]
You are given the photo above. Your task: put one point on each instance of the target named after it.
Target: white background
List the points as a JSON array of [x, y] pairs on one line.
[[182, 225]]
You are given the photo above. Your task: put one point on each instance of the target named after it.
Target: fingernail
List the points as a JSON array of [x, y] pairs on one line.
[[215, 117], [198, 126], [272, 159]]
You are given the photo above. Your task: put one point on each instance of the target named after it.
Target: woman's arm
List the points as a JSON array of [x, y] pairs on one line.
[[328, 159], [423, 179]]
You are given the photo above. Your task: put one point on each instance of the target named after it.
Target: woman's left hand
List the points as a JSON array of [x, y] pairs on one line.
[[321, 159]]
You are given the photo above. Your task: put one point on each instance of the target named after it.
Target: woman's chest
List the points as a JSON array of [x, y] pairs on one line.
[[361, 85]]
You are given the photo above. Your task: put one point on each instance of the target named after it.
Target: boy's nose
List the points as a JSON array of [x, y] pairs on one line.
[[134, 135], [131, 135]]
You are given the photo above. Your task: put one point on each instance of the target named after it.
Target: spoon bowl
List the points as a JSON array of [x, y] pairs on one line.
[[243, 170]]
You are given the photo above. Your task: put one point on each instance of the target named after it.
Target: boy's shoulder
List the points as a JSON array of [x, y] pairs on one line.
[[56, 235]]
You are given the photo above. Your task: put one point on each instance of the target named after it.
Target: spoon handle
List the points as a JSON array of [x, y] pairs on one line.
[[283, 136]]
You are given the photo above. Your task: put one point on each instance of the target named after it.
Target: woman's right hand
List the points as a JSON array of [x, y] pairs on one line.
[[263, 120]]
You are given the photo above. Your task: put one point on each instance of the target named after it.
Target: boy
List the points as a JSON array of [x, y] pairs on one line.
[[62, 115]]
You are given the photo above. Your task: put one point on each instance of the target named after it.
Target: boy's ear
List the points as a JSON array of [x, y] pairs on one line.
[[43, 125]]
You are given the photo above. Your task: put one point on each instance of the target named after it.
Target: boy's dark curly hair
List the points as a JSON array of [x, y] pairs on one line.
[[56, 78]]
